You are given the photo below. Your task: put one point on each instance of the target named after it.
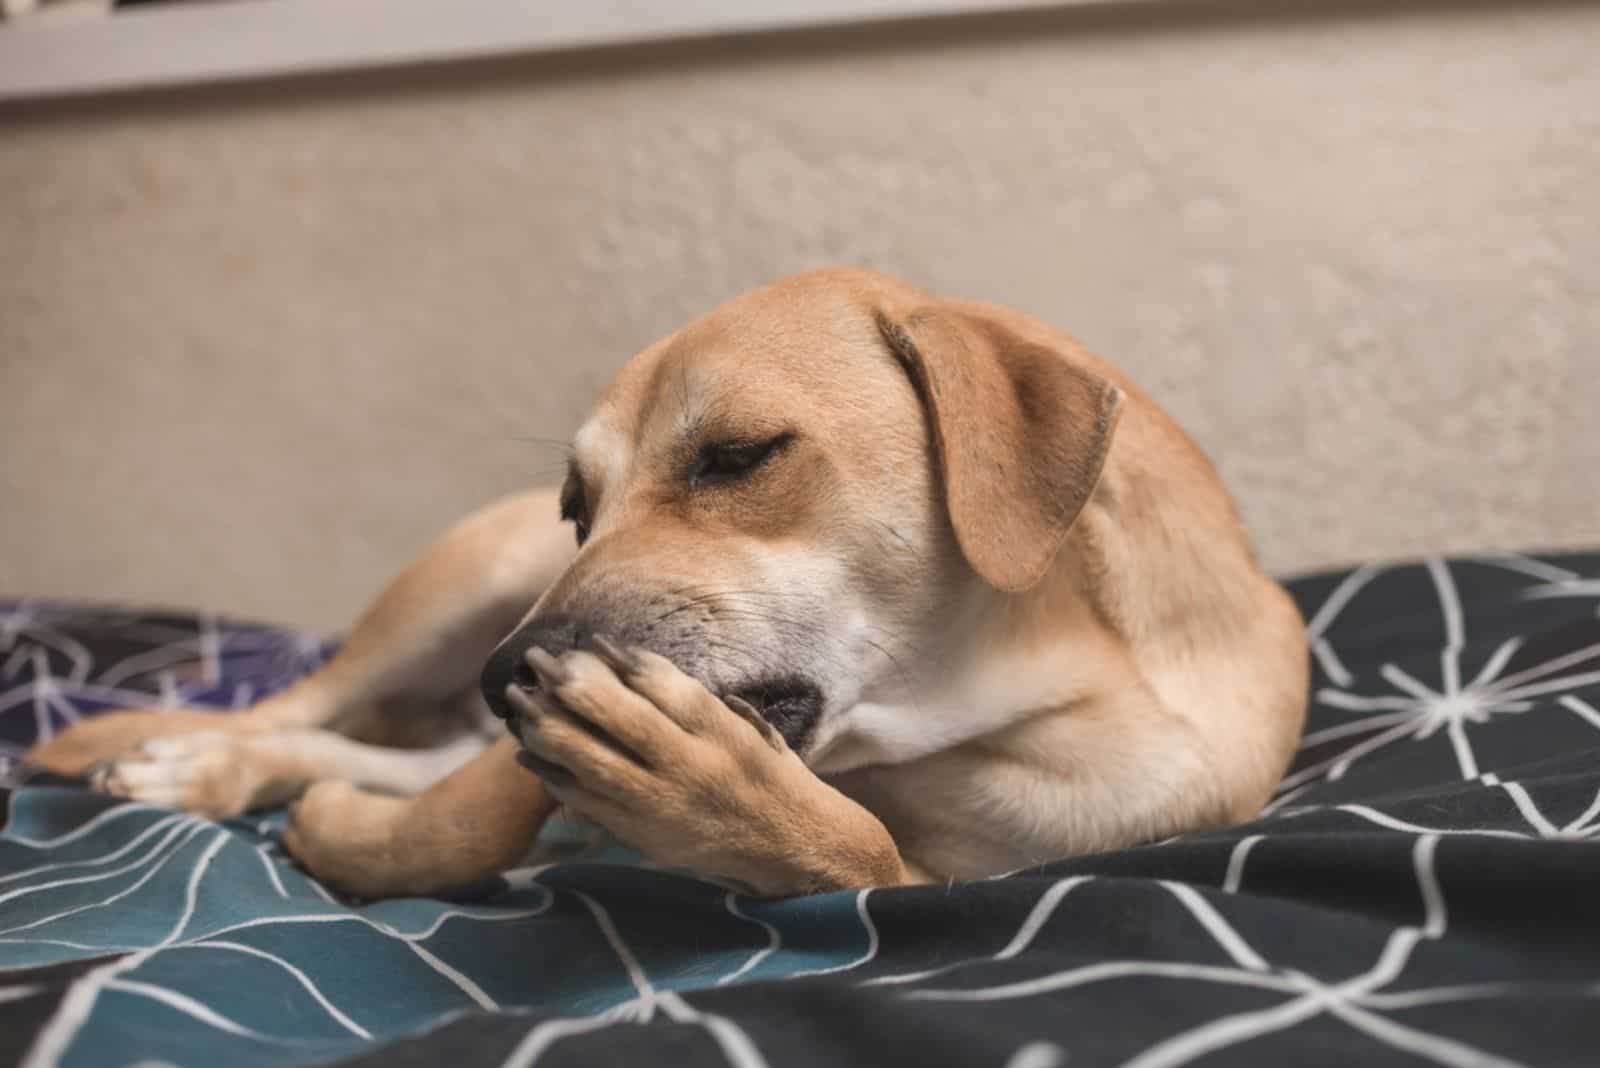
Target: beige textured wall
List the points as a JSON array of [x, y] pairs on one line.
[[258, 346]]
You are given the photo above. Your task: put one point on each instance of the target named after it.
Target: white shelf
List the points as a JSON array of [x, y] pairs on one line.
[[187, 44]]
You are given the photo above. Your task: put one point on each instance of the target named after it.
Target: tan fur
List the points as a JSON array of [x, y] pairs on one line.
[[1037, 619], [472, 824]]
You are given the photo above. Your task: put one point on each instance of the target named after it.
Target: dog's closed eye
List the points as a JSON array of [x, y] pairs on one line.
[[723, 461], [575, 505]]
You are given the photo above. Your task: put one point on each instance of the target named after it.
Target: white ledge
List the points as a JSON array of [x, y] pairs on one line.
[[188, 44]]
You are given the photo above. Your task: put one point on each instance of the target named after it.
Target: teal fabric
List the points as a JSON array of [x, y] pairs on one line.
[[140, 934], [210, 947]]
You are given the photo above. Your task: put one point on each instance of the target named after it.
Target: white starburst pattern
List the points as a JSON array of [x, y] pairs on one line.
[[731, 1039], [1582, 828], [1415, 711], [1567, 587], [1365, 1002]]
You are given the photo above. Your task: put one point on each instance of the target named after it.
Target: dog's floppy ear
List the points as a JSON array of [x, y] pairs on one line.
[[1021, 431]]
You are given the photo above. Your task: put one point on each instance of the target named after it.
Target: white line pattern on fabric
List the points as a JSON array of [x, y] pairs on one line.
[[630, 963], [185, 832], [130, 846], [1037, 917], [301, 977], [1355, 1001], [1038, 1055], [734, 1042], [1415, 708], [272, 872], [189, 1006], [1226, 937], [1236, 861], [774, 940], [533, 1045], [866, 957]]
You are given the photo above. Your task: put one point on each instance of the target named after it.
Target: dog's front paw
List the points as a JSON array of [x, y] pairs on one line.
[[211, 773], [626, 739], [110, 735]]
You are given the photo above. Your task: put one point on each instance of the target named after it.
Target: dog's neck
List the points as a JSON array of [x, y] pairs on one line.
[[1094, 620], [1002, 659]]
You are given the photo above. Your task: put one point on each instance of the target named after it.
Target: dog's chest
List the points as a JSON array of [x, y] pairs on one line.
[[950, 818]]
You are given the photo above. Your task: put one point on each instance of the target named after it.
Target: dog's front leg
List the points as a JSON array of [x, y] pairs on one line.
[[420, 645], [627, 740], [476, 822]]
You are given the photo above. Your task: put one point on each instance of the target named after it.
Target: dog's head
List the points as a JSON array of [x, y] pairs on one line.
[[814, 498]]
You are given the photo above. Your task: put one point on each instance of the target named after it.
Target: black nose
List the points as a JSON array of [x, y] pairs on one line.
[[508, 663]]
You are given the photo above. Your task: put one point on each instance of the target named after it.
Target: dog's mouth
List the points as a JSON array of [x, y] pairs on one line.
[[791, 704]]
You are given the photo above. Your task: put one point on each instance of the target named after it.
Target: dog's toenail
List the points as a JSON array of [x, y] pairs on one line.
[[750, 713], [525, 677], [522, 706], [613, 654], [549, 668], [552, 773]]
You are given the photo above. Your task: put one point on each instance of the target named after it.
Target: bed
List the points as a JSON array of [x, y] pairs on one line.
[[1422, 890]]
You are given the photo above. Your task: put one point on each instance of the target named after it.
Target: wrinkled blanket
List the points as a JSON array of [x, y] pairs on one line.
[[1420, 891]]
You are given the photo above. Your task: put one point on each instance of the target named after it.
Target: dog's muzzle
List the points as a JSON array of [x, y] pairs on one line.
[[508, 664], [792, 704]]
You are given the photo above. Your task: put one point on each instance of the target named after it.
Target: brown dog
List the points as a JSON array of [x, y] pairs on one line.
[[870, 587]]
